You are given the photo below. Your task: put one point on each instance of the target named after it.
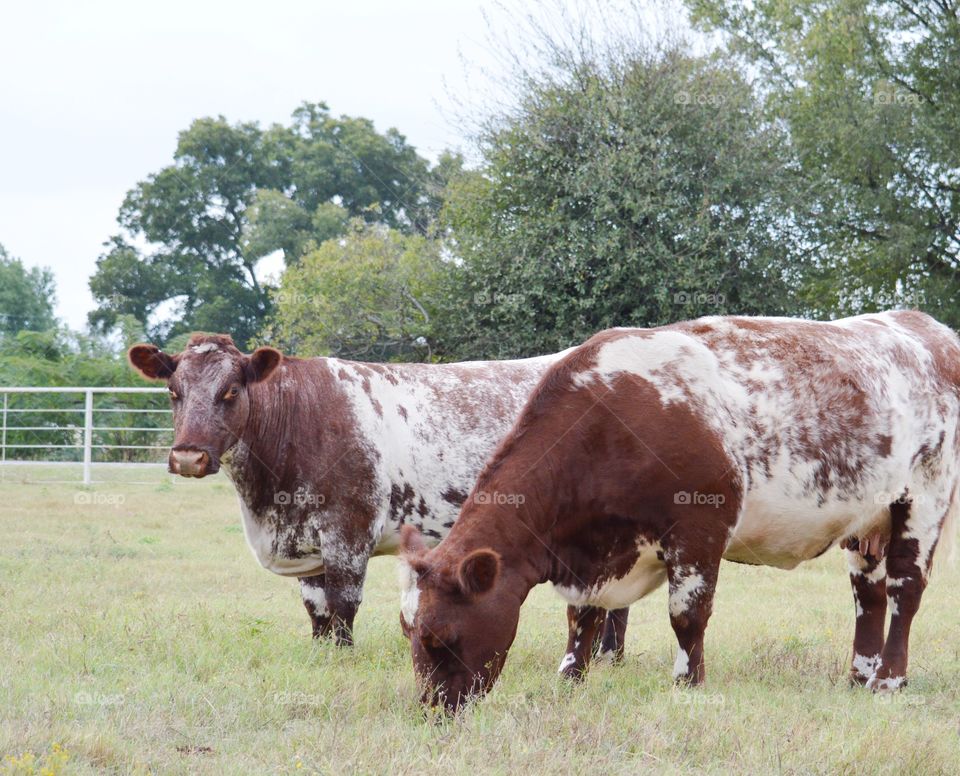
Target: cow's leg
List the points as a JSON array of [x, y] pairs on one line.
[[692, 582], [867, 578], [609, 646], [583, 622], [313, 593], [344, 593], [913, 538]]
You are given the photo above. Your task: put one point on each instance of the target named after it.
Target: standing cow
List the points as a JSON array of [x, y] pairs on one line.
[[648, 455], [330, 457]]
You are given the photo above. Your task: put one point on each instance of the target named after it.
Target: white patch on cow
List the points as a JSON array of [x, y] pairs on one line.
[[892, 605], [205, 347], [315, 595], [681, 666], [453, 417], [265, 542], [885, 686], [409, 592], [856, 603], [690, 582], [568, 660], [865, 665], [894, 582], [646, 575]]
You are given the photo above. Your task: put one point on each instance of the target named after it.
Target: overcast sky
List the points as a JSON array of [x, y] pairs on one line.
[[93, 94]]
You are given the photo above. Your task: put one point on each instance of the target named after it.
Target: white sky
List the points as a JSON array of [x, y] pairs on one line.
[[93, 94]]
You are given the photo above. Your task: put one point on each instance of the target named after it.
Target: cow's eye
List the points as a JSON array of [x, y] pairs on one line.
[[232, 393]]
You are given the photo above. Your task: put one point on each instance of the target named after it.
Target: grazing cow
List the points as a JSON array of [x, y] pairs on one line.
[[648, 455], [330, 457]]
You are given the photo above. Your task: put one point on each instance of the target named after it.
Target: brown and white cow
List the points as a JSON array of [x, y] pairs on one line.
[[330, 457], [649, 455]]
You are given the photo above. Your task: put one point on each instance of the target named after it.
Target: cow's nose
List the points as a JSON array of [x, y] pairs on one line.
[[189, 463]]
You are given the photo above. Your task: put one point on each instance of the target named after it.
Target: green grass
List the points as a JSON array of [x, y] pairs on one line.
[[139, 635]]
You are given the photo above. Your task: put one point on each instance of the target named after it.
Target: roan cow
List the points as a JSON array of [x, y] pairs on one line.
[[649, 455], [331, 457]]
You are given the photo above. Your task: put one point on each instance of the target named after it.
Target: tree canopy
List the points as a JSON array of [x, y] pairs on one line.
[[236, 193], [869, 93], [627, 190]]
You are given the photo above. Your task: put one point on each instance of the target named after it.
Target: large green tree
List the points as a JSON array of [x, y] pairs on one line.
[[236, 193], [371, 295], [27, 296], [869, 91], [635, 188]]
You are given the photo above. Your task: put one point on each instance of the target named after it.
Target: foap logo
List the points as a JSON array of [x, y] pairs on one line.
[[699, 499], [497, 498], [888, 497], [301, 498], [296, 698], [86, 498], [485, 297], [899, 699], [84, 698], [685, 98], [294, 299], [697, 698], [698, 297]]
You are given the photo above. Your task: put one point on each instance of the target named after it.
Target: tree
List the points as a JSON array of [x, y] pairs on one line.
[[236, 193], [636, 186], [870, 93], [27, 297], [370, 295]]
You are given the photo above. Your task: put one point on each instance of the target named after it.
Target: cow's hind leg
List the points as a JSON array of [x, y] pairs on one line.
[[608, 646], [583, 623], [914, 532], [692, 583], [867, 578]]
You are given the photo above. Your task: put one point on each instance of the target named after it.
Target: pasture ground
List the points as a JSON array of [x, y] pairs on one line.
[[138, 634]]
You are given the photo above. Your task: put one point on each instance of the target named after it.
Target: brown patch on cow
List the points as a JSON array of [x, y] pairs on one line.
[[401, 502], [454, 496], [402, 411], [344, 375]]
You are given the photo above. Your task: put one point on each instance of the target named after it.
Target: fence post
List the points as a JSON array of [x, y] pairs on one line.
[[3, 443], [87, 436]]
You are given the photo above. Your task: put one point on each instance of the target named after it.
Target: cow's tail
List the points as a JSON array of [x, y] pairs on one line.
[[946, 553]]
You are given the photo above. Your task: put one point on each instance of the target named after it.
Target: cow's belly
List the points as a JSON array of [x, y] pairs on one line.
[[646, 575], [783, 532]]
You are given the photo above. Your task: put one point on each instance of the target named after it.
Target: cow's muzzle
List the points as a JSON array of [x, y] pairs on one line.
[[192, 462]]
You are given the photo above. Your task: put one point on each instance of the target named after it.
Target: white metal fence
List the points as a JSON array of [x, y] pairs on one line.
[[36, 426]]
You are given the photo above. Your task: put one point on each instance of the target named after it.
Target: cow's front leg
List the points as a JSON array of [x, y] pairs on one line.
[[608, 646], [868, 580], [583, 622], [913, 538], [313, 593], [344, 592]]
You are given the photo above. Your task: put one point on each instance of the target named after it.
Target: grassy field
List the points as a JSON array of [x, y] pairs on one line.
[[138, 634]]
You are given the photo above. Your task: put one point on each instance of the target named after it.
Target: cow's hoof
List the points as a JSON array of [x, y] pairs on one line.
[[862, 669], [609, 656], [571, 668], [887, 684]]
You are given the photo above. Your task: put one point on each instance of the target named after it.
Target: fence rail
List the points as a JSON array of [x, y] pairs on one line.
[[49, 428]]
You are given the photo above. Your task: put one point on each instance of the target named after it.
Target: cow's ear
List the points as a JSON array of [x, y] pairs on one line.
[[152, 362], [261, 363], [478, 572]]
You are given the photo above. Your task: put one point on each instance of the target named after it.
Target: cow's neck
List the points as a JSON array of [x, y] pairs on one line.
[[516, 516], [285, 432]]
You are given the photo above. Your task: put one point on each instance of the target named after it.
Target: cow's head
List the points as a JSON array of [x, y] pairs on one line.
[[461, 619], [208, 385]]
